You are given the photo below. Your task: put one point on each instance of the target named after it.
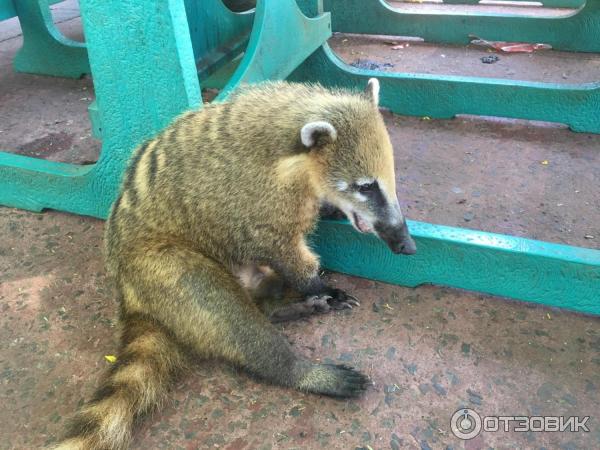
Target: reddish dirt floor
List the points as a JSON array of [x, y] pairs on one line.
[[429, 351]]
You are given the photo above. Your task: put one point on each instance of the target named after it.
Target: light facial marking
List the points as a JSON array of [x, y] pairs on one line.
[[360, 197], [362, 221], [396, 219], [363, 181], [396, 216], [341, 185]]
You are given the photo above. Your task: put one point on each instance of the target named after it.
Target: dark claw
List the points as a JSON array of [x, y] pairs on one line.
[[352, 300], [351, 382], [315, 304], [341, 300]]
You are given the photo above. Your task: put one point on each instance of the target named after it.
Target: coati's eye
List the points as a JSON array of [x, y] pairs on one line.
[[367, 187]]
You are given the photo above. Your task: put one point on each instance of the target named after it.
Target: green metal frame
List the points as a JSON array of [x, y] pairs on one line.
[[525, 269], [145, 69], [149, 78], [577, 31], [8, 10], [436, 96], [442, 97], [45, 50], [545, 3]]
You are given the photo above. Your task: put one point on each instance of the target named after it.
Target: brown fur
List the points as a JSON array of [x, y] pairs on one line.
[[227, 186]]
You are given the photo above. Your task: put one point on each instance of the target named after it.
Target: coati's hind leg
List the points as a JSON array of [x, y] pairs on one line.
[[261, 282], [266, 288], [206, 308]]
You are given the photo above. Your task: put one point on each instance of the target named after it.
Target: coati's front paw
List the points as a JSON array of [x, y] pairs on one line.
[[314, 304], [299, 310], [338, 299], [335, 381]]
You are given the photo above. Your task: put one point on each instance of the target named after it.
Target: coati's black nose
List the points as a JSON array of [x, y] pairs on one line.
[[397, 238], [409, 247]]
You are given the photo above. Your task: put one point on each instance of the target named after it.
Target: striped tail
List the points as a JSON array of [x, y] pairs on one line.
[[135, 385]]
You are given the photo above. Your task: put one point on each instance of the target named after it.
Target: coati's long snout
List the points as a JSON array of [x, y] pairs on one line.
[[392, 229], [373, 214], [397, 237], [385, 220]]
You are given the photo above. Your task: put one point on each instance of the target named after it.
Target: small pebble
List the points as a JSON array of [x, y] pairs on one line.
[[439, 389], [491, 59], [474, 397]]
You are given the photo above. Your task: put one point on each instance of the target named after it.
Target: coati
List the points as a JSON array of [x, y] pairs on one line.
[[221, 192]]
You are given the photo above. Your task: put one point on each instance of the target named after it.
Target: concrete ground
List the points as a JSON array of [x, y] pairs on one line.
[[429, 350]]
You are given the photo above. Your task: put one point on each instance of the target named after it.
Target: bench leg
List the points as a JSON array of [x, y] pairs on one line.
[[281, 38], [45, 50], [136, 97], [443, 97]]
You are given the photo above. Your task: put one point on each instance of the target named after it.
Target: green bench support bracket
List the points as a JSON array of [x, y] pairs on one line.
[[145, 81], [45, 50], [442, 97], [218, 37], [577, 31], [145, 73], [8, 11], [540, 272], [266, 57]]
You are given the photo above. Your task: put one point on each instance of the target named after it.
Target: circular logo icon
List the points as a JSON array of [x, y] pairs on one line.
[[465, 424]]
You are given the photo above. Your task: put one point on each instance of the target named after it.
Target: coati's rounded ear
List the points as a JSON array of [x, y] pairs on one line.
[[372, 90], [317, 134]]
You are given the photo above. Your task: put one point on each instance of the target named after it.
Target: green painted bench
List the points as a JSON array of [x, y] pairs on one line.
[[577, 105], [148, 68], [45, 50], [545, 3], [575, 31], [8, 9]]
